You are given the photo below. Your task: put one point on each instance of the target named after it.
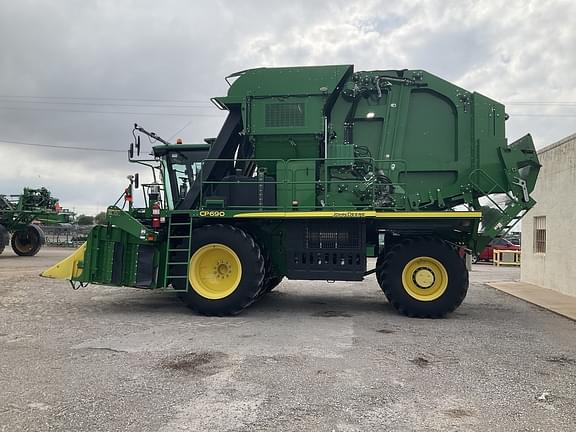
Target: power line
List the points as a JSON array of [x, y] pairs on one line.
[[180, 130], [104, 104], [3, 141], [111, 112], [105, 98]]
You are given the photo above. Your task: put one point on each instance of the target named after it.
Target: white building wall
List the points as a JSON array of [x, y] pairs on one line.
[[555, 194]]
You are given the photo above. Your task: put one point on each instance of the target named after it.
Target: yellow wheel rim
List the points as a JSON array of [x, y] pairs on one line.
[[425, 278], [214, 271]]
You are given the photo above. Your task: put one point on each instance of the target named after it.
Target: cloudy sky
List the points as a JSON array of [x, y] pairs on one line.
[[79, 73]]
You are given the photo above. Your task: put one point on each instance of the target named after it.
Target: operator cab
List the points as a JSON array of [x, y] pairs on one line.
[[181, 164]]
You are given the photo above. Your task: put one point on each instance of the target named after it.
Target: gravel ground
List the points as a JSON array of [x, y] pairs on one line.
[[310, 356]]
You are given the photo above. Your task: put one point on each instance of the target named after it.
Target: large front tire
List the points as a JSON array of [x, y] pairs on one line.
[[29, 241], [423, 277], [225, 272]]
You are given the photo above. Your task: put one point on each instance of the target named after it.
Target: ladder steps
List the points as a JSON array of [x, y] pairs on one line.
[[174, 260]]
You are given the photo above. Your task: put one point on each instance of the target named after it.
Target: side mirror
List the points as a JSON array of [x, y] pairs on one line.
[[138, 146], [131, 151], [136, 181]]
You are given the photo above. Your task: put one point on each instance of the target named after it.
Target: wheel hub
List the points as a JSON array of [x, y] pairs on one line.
[[223, 269], [423, 277]]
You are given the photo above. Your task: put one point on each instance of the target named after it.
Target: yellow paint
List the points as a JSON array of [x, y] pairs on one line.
[[433, 215], [425, 278], [300, 214], [214, 271], [69, 268], [362, 214]]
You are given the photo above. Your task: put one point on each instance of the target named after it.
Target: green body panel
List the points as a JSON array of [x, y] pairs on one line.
[[438, 133], [330, 143], [288, 81], [297, 183], [117, 245], [122, 220]]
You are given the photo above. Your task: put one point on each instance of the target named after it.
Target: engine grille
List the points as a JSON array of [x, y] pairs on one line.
[[284, 115], [331, 239]]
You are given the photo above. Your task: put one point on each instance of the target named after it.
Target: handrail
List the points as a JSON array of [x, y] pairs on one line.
[[369, 184]]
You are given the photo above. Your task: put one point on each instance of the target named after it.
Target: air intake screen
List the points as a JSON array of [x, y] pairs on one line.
[[284, 115], [332, 239]]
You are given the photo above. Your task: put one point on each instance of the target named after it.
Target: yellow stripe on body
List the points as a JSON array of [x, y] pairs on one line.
[[447, 215], [362, 214]]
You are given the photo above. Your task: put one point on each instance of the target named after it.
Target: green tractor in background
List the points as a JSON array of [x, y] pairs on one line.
[[316, 170], [17, 214]]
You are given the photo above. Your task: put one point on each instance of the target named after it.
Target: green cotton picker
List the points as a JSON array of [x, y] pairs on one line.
[[314, 171]]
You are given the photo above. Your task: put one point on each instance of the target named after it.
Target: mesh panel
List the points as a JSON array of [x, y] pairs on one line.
[[284, 115], [328, 239]]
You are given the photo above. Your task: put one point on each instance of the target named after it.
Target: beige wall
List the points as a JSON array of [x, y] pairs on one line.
[[555, 194]]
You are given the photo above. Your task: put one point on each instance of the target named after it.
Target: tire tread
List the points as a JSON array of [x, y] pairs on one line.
[[248, 297], [387, 270]]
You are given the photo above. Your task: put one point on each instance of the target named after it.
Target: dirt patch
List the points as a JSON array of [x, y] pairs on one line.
[[331, 314], [420, 361], [107, 349], [458, 413], [200, 364], [561, 359]]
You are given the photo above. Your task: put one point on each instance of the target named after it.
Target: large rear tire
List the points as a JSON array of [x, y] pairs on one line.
[[423, 277], [225, 272], [4, 238], [29, 241]]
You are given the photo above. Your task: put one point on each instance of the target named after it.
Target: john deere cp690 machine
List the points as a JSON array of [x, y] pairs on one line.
[[315, 170]]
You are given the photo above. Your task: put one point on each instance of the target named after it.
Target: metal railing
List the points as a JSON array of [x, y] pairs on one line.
[[66, 236], [368, 190]]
